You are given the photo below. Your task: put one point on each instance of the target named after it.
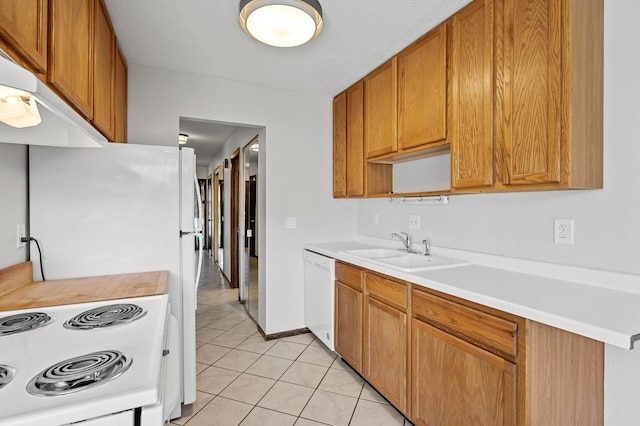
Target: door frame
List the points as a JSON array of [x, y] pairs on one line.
[[216, 213], [235, 218]]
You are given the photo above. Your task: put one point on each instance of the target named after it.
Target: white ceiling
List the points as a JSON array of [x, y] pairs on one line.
[[203, 36]]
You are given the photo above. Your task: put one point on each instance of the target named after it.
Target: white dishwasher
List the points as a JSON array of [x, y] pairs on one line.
[[319, 295]]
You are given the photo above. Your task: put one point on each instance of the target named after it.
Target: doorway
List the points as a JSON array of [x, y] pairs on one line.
[[250, 252], [218, 216], [235, 219]]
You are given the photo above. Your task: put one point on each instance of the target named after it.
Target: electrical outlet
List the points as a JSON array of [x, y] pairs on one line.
[[20, 234], [563, 231], [414, 221]]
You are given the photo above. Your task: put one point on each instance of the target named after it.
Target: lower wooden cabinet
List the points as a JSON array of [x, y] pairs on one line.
[[348, 314], [458, 384], [445, 361], [348, 333], [385, 353]]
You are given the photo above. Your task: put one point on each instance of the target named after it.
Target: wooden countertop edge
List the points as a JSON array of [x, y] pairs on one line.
[[84, 289]]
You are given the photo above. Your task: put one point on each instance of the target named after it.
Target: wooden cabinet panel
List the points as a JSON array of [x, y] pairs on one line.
[[340, 145], [481, 327], [566, 377], [385, 351], [348, 142], [380, 109], [532, 66], [355, 140], [348, 324], [349, 275], [23, 24], [104, 72], [422, 90], [471, 84], [392, 292], [120, 98], [458, 384], [71, 52]]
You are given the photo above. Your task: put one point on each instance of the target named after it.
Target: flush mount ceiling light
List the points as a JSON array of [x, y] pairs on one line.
[[182, 138], [281, 23]]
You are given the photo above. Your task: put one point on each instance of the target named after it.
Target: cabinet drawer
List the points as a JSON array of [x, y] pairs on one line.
[[392, 292], [349, 275], [476, 325]]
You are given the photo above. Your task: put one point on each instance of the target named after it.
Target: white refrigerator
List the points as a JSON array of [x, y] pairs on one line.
[[120, 209]]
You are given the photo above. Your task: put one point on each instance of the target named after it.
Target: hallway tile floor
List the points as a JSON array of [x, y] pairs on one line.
[[243, 380]]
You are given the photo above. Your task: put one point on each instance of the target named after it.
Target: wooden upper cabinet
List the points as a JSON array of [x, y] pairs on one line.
[[104, 72], [422, 90], [348, 142], [71, 31], [471, 80], [380, 109], [120, 97], [355, 140], [340, 145], [553, 68], [23, 25]]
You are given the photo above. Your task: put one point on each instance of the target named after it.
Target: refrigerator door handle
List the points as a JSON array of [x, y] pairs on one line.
[[198, 232]]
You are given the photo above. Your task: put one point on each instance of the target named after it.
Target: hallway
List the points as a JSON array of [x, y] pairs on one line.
[[243, 380]]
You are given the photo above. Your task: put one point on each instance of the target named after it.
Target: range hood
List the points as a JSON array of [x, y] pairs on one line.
[[61, 125]]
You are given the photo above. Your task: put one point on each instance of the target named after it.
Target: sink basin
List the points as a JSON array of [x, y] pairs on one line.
[[375, 253], [403, 261]]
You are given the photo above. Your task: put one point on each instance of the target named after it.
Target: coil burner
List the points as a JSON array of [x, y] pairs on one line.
[[23, 322], [79, 373], [6, 374], [105, 316]]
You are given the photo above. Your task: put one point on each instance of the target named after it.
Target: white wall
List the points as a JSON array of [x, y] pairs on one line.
[[13, 201], [297, 166], [607, 222]]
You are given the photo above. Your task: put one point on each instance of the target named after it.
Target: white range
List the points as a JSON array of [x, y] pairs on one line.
[[101, 363]]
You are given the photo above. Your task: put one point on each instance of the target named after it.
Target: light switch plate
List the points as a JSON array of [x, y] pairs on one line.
[[290, 223]]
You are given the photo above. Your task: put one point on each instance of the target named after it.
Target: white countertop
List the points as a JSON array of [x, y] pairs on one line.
[[607, 313]]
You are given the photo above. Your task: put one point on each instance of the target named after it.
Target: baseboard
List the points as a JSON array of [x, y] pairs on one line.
[[282, 334]]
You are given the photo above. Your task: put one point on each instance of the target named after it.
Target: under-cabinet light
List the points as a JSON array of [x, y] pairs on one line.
[[18, 108]]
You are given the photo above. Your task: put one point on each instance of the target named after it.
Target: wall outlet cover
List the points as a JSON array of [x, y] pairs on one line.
[[563, 231], [21, 232], [414, 221]]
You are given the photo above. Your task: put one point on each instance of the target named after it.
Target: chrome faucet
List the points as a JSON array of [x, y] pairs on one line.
[[406, 240], [427, 247]]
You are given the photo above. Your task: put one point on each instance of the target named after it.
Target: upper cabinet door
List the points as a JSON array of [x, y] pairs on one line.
[[422, 90], [355, 140], [121, 84], [532, 91], [380, 109], [104, 73], [23, 24], [340, 145], [71, 52], [471, 84]]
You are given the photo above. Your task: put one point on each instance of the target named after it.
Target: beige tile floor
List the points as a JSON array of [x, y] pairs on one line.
[[243, 380]]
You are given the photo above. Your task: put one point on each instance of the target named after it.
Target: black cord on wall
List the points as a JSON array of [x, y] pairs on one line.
[[28, 239]]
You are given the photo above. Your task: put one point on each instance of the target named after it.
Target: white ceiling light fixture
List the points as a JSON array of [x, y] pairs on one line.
[[281, 23], [182, 138]]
